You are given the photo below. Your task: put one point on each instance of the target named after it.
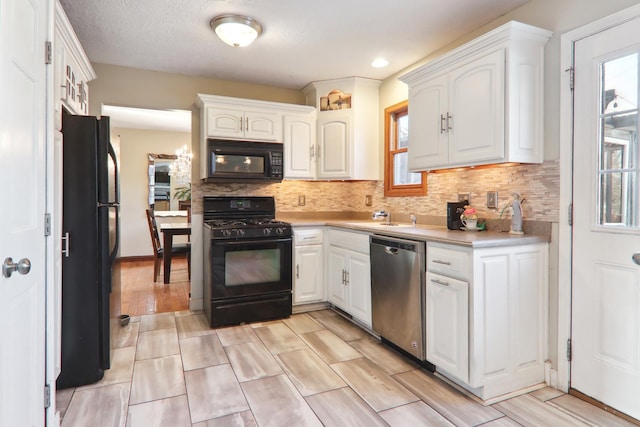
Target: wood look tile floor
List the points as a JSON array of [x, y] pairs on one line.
[[312, 369]]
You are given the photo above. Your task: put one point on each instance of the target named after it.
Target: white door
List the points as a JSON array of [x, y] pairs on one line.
[[606, 206], [23, 31]]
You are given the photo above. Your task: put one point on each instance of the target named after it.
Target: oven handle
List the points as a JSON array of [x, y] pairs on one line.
[[239, 242]]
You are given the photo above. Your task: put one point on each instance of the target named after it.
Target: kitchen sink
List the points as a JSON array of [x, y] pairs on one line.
[[380, 224]]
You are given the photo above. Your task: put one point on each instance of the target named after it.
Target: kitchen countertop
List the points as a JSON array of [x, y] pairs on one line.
[[430, 233]]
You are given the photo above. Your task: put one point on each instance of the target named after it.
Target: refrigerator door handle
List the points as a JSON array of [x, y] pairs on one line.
[[115, 203], [65, 239]]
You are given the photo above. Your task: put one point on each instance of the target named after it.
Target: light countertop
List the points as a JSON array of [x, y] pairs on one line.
[[429, 233]]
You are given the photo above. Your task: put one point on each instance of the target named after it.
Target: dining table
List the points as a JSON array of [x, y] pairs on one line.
[[168, 230]]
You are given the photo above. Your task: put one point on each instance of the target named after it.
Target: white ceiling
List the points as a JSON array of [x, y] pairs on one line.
[[303, 40]]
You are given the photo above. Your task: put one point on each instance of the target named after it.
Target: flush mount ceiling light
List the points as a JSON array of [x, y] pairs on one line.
[[236, 30]]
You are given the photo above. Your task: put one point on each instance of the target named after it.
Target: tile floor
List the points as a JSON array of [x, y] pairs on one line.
[[316, 368]]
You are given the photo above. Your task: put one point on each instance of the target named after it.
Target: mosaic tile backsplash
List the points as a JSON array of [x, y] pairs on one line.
[[538, 185]]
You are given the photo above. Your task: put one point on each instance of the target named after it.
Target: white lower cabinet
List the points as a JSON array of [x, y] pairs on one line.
[[349, 273], [502, 345], [308, 284], [448, 325]]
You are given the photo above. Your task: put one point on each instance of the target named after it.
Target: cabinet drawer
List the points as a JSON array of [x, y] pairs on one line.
[[449, 260], [358, 242], [307, 236]]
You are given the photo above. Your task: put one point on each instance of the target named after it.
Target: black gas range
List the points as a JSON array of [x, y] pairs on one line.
[[248, 261]]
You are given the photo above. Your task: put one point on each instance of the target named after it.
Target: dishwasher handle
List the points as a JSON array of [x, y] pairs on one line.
[[390, 250]]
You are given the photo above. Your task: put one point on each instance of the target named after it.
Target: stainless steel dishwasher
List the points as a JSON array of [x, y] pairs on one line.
[[397, 292]]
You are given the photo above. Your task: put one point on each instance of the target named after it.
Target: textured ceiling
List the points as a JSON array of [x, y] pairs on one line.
[[303, 40]]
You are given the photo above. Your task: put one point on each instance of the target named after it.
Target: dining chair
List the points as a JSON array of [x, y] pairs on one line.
[[177, 249]]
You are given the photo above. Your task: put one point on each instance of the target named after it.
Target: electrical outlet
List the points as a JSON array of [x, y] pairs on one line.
[[301, 200], [464, 196], [367, 200], [492, 199]]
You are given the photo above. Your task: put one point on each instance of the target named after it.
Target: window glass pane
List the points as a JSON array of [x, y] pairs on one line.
[[402, 125], [401, 174], [618, 145]]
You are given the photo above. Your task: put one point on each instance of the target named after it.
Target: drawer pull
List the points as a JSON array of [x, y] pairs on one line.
[[439, 282], [437, 261]]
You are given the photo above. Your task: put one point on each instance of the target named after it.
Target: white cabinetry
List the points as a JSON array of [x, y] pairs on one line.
[[72, 70], [481, 103], [308, 285], [254, 120], [507, 311], [349, 273], [249, 125], [347, 144], [300, 144]]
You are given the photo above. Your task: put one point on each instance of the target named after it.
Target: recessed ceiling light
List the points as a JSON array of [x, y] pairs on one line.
[[379, 63], [236, 30]]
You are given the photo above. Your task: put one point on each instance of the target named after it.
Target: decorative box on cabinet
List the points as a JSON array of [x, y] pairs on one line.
[[72, 70], [347, 144], [502, 348], [349, 273], [255, 120], [481, 103], [308, 284]]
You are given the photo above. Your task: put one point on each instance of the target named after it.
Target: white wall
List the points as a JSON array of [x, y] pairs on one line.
[[135, 146]]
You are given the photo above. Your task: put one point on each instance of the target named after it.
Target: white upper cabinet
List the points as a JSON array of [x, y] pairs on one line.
[[348, 143], [72, 70], [481, 103], [254, 120], [249, 125]]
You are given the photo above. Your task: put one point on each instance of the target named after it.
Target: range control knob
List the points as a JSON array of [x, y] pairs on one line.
[[266, 231], [239, 232], [279, 230], [226, 233]]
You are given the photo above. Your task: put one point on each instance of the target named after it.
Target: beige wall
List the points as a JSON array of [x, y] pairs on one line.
[[135, 146]]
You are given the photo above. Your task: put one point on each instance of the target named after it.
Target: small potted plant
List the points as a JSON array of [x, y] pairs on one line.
[[469, 218]]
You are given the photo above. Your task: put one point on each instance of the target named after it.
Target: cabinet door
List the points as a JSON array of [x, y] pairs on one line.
[[336, 270], [428, 135], [263, 126], [359, 287], [225, 123], [299, 147], [333, 147], [308, 284], [476, 103], [447, 305]]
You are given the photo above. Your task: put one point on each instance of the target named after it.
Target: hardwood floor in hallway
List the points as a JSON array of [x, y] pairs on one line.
[[312, 369], [141, 295]]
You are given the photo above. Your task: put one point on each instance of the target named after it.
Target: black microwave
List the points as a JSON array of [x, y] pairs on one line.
[[244, 161]]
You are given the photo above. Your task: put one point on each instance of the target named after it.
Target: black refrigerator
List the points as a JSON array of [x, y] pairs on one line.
[[90, 261]]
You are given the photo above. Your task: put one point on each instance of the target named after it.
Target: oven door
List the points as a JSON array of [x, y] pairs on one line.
[[241, 268]]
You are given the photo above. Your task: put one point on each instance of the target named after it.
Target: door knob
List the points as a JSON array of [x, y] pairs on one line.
[[22, 267], [636, 258]]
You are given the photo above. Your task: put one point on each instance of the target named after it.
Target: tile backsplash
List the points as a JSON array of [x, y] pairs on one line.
[[538, 184]]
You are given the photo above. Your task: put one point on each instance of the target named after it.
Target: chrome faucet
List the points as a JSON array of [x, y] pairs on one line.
[[413, 220], [382, 214]]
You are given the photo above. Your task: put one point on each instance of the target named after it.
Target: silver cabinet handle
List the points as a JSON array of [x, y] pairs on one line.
[[312, 152], [442, 120], [449, 120], [346, 275], [247, 123], [439, 282], [297, 271], [65, 239], [636, 258], [318, 153], [9, 267], [437, 261]]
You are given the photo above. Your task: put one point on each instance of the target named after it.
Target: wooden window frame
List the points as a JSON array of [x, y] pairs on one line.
[[391, 190]]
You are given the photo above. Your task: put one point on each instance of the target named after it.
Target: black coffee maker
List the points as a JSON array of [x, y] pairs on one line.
[[454, 210]]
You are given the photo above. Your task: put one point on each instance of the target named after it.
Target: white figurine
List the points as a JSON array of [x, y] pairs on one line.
[[516, 214]]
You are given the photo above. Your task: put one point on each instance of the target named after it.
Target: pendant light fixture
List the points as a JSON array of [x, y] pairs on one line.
[[236, 30]]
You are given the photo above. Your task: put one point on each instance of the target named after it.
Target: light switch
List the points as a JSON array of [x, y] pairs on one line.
[[492, 199]]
